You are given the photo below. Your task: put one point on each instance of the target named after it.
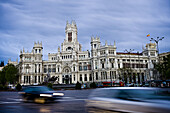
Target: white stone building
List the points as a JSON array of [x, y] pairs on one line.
[[70, 64]]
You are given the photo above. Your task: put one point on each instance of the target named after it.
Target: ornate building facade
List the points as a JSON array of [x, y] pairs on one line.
[[70, 64]]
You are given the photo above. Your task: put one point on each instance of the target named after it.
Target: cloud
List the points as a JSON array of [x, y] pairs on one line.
[[125, 21]]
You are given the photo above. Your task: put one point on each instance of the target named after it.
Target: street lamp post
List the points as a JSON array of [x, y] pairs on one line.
[[157, 41], [139, 66]]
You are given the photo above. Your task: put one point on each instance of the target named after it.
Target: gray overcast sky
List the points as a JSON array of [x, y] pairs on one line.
[[126, 21]]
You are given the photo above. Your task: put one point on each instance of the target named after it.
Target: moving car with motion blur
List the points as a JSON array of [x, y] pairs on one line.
[[40, 94], [130, 99]]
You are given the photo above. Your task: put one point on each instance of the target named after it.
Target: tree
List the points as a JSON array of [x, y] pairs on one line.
[[9, 74], [2, 64], [2, 78], [18, 87], [78, 85], [93, 85], [163, 67]]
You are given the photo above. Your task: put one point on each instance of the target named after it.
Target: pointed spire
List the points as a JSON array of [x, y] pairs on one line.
[[106, 43], [143, 47], [23, 50], [58, 48], [114, 44]]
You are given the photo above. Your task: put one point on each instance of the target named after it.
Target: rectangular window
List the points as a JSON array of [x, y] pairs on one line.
[[54, 69], [49, 70], [118, 65], [39, 79], [70, 37], [29, 79], [112, 65], [45, 70], [24, 79], [74, 78], [89, 67], [39, 68], [90, 77], [80, 68], [103, 65], [85, 68], [35, 68], [35, 79], [152, 53]]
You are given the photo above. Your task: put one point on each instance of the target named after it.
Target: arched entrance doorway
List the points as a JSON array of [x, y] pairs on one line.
[[67, 77]]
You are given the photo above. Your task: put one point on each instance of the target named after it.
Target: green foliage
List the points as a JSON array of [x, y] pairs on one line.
[[2, 78], [78, 85], [18, 87], [1, 87], [9, 74], [164, 67], [50, 85], [93, 85]]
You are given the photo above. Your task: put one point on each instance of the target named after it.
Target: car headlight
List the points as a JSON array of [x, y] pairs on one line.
[[58, 94], [45, 95]]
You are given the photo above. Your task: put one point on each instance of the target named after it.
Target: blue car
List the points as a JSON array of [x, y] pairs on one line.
[[40, 94]]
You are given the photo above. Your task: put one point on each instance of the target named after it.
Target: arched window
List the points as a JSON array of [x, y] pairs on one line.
[[74, 68], [85, 77], [80, 77]]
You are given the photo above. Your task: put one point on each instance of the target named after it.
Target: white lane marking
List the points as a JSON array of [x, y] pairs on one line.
[[16, 99], [67, 97], [9, 102], [71, 100]]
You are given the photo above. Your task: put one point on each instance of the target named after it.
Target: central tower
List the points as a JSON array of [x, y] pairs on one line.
[[71, 43], [71, 32]]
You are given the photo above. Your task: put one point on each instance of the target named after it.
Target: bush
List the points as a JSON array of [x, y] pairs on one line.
[[18, 87], [1, 87], [78, 85], [5, 88], [93, 85], [50, 85]]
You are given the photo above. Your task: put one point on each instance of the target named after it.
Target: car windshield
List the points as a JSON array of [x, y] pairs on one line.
[[38, 89]]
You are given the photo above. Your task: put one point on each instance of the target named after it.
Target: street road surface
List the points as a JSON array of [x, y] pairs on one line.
[[72, 102]]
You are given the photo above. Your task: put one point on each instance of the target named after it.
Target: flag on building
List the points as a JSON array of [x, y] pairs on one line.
[[148, 35]]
